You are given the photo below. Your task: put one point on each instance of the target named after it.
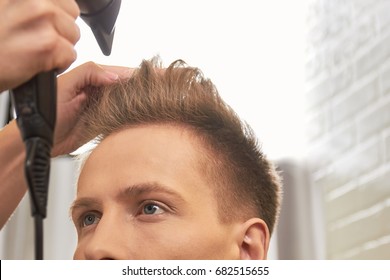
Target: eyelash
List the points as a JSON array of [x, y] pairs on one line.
[[165, 208]]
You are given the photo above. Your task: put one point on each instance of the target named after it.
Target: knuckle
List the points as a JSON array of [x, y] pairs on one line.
[[74, 9], [56, 54], [48, 40], [77, 34], [71, 8], [67, 59], [40, 9], [90, 65]]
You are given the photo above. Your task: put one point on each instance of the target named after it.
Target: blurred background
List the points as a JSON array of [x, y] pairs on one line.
[[312, 77]]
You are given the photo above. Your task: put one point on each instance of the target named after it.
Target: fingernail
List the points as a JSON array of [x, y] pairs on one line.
[[128, 72], [112, 76]]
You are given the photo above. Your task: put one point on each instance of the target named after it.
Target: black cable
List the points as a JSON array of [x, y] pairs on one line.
[[37, 170], [38, 221]]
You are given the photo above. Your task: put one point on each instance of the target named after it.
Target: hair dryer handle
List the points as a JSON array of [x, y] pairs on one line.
[[35, 104]]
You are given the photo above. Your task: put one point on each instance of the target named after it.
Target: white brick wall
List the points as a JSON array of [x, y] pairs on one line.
[[348, 123]]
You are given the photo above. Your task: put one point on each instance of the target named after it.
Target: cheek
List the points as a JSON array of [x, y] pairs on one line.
[[186, 241], [169, 241]]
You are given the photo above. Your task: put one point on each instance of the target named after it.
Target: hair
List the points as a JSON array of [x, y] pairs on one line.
[[246, 183]]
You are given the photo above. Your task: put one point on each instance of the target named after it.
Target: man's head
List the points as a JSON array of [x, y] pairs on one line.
[[176, 175]]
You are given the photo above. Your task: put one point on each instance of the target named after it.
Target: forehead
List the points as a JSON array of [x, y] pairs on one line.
[[166, 154], [150, 142]]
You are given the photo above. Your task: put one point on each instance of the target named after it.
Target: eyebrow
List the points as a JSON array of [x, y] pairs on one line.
[[130, 191], [144, 188], [83, 203]]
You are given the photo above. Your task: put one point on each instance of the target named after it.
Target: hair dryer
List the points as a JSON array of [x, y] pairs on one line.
[[35, 105], [101, 15]]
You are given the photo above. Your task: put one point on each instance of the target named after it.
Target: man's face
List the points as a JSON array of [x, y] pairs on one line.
[[141, 195]]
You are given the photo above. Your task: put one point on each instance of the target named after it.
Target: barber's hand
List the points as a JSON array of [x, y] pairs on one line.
[[71, 101], [36, 36], [68, 136]]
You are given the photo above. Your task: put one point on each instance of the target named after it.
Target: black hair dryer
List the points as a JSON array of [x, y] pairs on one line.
[[35, 105], [101, 15]]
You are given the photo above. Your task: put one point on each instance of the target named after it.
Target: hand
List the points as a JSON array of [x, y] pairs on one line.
[[67, 137], [36, 36], [71, 100]]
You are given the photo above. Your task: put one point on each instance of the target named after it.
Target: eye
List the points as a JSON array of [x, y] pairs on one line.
[[90, 219], [152, 208]]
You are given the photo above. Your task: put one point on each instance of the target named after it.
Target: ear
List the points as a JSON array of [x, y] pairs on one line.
[[254, 240]]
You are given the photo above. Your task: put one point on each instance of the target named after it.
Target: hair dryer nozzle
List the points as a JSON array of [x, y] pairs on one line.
[[100, 16]]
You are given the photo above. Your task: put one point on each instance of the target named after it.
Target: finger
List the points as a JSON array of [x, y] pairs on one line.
[[43, 49], [122, 71], [91, 74], [88, 75], [63, 56], [106, 73], [45, 14], [69, 6], [99, 75], [60, 57], [67, 27], [23, 13]]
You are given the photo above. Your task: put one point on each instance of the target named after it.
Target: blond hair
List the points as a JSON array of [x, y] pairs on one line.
[[244, 180]]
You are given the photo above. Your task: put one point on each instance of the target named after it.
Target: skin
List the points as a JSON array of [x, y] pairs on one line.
[[141, 196], [36, 36], [68, 136]]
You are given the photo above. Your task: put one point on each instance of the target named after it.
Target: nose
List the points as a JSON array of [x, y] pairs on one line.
[[106, 241]]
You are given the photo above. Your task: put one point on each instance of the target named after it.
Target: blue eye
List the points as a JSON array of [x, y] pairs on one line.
[[90, 219], [152, 208]]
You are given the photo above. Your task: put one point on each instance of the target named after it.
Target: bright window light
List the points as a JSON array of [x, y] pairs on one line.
[[252, 50]]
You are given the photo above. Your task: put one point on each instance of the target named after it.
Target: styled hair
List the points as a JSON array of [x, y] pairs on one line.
[[244, 181]]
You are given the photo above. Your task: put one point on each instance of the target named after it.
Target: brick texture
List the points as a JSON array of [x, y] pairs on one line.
[[348, 123]]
